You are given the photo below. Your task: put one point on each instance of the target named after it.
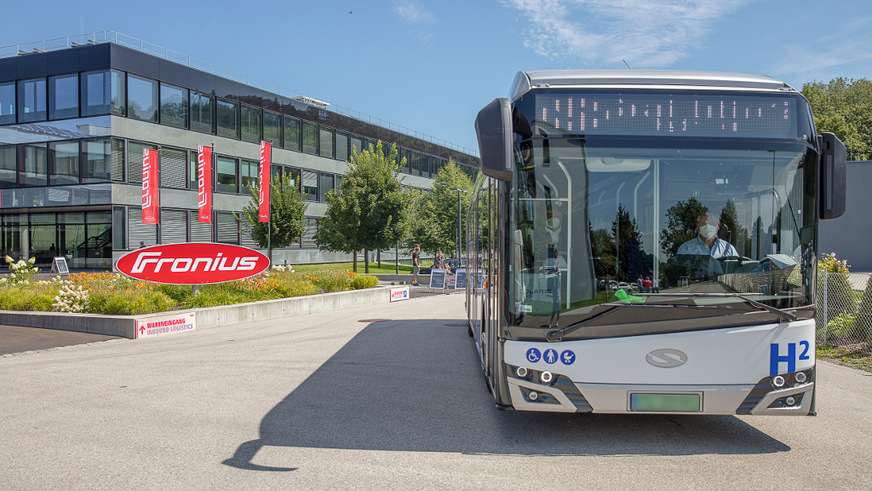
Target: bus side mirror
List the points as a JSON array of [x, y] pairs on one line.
[[493, 126], [832, 178]]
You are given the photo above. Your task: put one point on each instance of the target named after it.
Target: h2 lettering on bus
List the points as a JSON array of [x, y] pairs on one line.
[[776, 358]]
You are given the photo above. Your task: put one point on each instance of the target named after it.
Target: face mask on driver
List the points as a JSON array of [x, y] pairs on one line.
[[708, 231]]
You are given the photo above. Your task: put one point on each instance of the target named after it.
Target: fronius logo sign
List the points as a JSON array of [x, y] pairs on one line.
[[192, 264]]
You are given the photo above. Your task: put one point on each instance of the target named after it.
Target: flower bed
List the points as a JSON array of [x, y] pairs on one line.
[[114, 294]]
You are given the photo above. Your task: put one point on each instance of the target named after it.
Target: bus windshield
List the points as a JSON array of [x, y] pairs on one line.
[[700, 220]]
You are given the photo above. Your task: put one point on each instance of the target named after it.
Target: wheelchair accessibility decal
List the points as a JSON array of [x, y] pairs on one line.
[[550, 356]]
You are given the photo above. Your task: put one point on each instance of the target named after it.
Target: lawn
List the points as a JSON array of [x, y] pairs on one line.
[[850, 356]]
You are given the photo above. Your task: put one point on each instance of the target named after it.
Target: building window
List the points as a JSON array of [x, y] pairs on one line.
[[134, 159], [99, 238], [63, 96], [310, 138], [292, 134], [173, 168], [272, 128], [173, 106], [174, 226], [7, 103], [227, 228], [34, 165], [8, 167], [31, 100], [356, 145], [119, 162], [227, 126], [199, 231], [141, 98], [341, 146], [309, 185], [201, 112], [97, 159], [103, 93], [64, 163], [327, 183], [308, 238], [293, 176], [249, 174], [225, 175], [326, 142], [119, 228], [250, 124]]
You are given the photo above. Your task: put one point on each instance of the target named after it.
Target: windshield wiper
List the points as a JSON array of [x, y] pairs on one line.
[[783, 315]]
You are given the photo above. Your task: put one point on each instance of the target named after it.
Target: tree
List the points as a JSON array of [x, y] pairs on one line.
[[370, 210], [287, 215], [633, 261], [844, 107], [435, 223]]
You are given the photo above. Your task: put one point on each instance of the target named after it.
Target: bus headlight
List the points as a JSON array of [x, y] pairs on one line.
[[778, 381], [800, 377], [521, 372], [533, 395], [546, 377], [790, 401]]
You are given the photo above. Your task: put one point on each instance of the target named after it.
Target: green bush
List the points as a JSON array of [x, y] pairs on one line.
[[130, 301], [29, 297], [359, 282]]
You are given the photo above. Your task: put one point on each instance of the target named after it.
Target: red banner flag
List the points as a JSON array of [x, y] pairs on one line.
[[265, 148], [204, 183], [149, 187]]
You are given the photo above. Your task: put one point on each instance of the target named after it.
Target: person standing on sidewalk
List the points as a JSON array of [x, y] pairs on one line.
[[416, 266]]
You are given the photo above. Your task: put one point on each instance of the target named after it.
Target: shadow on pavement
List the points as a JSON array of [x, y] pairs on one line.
[[417, 386]]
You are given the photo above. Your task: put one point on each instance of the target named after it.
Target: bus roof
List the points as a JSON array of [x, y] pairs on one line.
[[648, 79]]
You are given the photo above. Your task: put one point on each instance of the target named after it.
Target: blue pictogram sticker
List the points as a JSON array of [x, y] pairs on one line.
[[567, 357], [550, 356], [533, 355]]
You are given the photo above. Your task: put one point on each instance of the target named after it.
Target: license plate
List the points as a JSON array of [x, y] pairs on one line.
[[681, 403]]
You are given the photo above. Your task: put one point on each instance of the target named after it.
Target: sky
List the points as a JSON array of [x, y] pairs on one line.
[[430, 66]]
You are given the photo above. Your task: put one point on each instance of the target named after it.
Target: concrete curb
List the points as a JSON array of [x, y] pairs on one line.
[[125, 325]]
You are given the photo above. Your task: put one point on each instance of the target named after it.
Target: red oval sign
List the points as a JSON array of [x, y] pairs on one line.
[[192, 263]]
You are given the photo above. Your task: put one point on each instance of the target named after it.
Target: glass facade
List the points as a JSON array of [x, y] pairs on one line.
[[72, 158]]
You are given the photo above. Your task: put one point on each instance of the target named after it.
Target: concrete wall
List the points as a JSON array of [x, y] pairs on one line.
[[125, 325], [850, 236]]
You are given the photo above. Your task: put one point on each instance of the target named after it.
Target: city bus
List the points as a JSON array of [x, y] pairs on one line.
[[646, 242]]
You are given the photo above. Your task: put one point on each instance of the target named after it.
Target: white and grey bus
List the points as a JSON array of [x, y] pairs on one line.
[[645, 242]]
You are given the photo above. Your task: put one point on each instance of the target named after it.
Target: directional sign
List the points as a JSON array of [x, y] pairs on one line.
[[166, 324]]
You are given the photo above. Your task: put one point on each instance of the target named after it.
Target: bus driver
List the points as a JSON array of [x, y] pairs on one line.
[[707, 243]]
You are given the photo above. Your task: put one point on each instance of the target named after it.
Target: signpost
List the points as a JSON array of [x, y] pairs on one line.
[[59, 265], [192, 263], [460, 283], [437, 280]]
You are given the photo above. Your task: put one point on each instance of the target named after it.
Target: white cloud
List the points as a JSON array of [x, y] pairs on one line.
[[645, 33], [414, 12]]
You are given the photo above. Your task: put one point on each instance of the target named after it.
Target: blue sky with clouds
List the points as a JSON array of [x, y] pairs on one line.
[[431, 65]]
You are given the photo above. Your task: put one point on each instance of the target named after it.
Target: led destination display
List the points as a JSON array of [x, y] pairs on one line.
[[667, 114]]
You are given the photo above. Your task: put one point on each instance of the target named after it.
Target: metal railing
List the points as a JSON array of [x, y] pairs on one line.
[[110, 36], [844, 314]]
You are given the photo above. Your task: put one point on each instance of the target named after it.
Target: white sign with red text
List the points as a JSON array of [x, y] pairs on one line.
[[401, 293], [166, 324]]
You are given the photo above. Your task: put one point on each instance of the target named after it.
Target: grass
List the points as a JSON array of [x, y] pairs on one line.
[[850, 356]]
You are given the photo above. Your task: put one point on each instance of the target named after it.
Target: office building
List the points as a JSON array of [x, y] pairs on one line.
[[76, 114]]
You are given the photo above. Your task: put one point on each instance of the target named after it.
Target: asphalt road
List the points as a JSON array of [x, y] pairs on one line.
[[380, 397]]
